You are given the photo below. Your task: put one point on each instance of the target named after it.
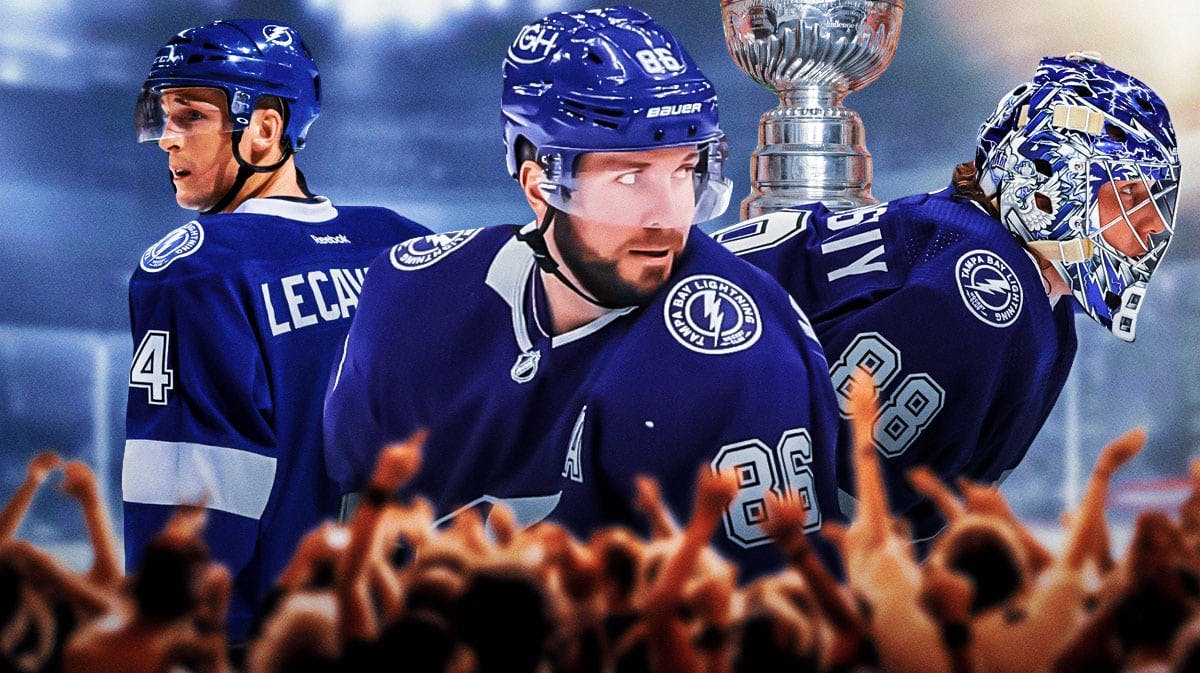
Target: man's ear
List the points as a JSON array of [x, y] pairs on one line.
[[265, 133], [530, 176]]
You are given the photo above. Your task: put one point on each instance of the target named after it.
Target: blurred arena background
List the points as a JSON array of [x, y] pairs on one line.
[[410, 120]]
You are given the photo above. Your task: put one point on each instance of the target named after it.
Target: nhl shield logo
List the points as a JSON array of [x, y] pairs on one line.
[[179, 243], [711, 315], [989, 287], [526, 366], [419, 253]]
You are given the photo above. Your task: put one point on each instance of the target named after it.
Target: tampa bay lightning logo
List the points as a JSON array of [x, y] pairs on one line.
[[419, 253], [711, 315], [280, 36], [179, 243], [989, 287]]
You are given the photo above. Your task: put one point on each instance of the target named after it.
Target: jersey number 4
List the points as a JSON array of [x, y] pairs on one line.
[[149, 369], [759, 470], [909, 410]]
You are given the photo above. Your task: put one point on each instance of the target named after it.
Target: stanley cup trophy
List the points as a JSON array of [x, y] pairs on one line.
[[811, 53]]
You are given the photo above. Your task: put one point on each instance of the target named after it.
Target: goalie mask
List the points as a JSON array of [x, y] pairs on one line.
[[1085, 164]]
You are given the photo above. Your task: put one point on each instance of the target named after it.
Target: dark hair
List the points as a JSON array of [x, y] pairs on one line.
[[515, 642], [162, 588], [1149, 615], [421, 639], [525, 151], [620, 566], [10, 591], [759, 650], [984, 557], [307, 662]]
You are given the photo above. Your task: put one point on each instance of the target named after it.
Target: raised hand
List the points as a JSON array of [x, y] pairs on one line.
[[37, 471]]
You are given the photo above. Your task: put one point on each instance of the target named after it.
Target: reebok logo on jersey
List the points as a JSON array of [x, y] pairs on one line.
[[179, 243], [989, 287], [326, 240], [711, 315]]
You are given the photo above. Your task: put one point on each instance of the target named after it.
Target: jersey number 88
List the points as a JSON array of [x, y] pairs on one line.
[[909, 410]]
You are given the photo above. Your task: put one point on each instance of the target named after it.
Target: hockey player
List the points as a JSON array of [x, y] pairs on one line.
[[961, 302], [239, 315], [553, 362]]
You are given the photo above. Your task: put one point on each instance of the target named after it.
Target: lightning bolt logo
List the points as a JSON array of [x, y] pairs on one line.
[[712, 311], [991, 286], [711, 315], [278, 35]]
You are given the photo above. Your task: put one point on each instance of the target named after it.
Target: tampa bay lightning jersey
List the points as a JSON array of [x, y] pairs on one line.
[[719, 369], [237, 320], [946, 310]]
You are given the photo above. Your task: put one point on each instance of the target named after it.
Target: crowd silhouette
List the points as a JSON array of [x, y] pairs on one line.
[[386, 591]]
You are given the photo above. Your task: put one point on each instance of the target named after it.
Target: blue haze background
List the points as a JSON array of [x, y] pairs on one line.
[[410, 121]]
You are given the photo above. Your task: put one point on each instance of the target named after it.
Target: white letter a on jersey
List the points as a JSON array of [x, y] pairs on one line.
[[573, 466]]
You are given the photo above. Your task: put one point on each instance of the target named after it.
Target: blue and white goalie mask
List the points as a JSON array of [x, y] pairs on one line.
[[609, 80], [1086, 168]]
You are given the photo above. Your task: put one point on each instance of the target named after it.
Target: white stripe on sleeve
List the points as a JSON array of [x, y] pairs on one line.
[[178, 473]]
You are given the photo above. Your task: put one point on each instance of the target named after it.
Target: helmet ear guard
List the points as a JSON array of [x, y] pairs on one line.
[[1048, 152]]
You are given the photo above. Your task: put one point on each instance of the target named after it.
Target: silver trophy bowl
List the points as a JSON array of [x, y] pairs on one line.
[[811, 53]]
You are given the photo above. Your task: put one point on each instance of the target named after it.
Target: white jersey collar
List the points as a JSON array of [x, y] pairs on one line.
[[317, 210], [509, 276]]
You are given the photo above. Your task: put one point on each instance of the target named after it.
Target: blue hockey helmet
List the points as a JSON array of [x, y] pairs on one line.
[[608, 80], [1058, 148], [246, 59]]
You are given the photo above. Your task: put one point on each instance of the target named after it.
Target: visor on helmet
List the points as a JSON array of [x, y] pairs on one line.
[[183, 111], [711, 189]]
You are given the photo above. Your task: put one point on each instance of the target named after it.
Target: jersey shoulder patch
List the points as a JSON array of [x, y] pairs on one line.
[[419, 253], [989, 287], [711, 315], [180, 243]]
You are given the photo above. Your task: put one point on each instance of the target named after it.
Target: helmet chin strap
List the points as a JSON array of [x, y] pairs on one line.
[[245, 170], [536, 240]]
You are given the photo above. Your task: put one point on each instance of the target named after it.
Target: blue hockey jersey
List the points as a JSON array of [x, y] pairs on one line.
[[719, 369], [237, 320], [947, 311]]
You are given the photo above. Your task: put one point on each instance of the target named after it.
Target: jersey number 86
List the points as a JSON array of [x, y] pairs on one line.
[[784, 471]]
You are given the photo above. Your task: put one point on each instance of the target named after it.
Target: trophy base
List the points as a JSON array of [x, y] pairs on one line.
[[757, 205], [808, 153]]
